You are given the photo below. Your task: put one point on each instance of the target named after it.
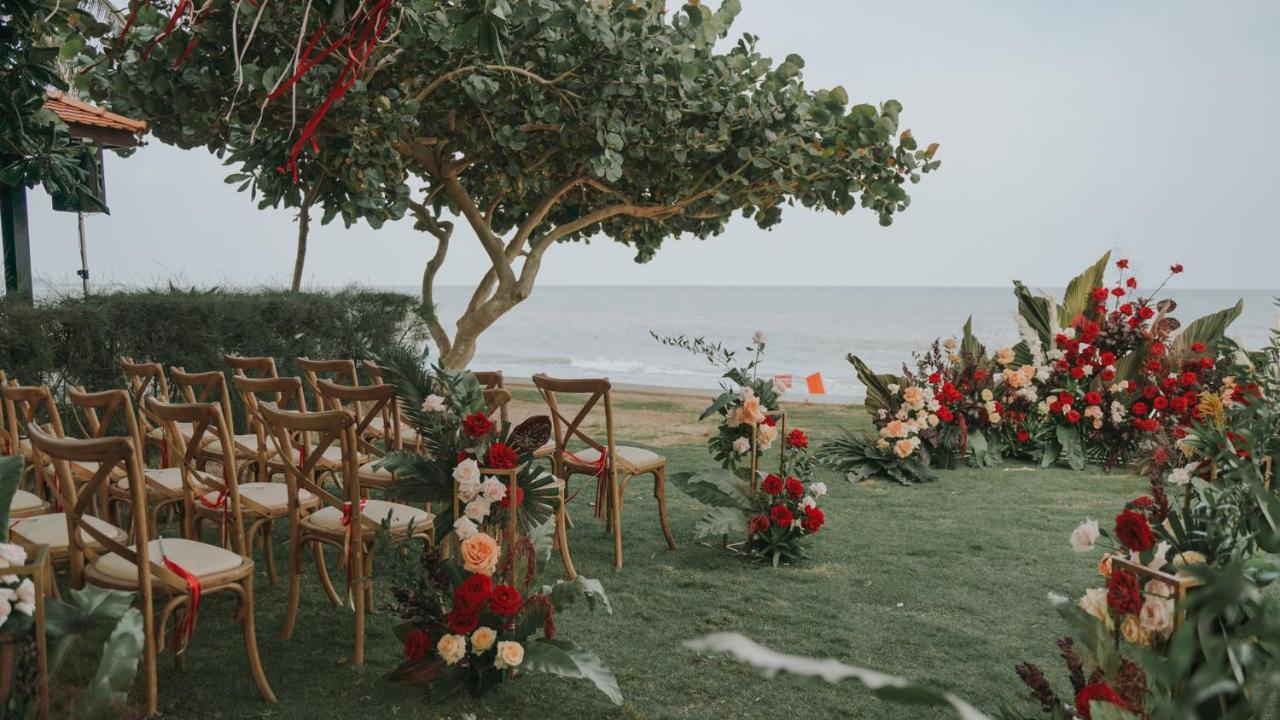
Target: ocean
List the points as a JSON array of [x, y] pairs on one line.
[[604, 331]]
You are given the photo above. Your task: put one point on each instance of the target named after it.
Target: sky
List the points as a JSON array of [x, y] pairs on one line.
[[1066, 129]]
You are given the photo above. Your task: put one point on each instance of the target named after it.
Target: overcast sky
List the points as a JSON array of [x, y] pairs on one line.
[[1066, 129]]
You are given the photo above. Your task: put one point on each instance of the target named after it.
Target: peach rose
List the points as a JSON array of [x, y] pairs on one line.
[[767, 434], [1094, 603], [913, 396], [1004, 356], [903, 448], [510, 655], [895, 429], [1156, 616], [480, 554], [1133, 631], [482, 639], [752, 414], [451, 648], [1104, 565]]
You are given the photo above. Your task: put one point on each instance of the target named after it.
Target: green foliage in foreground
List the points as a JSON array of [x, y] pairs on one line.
[[944, 583]]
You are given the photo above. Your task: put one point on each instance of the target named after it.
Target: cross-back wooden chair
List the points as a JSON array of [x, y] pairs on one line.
[[177, 571], [251, 367], [30, 406], [612, 465], [146, 379], [340, 371], [285, 393], [13, 443], [335, 523], [367, 403], [491, 380], [211, 386], [95, 412], [408, 435]]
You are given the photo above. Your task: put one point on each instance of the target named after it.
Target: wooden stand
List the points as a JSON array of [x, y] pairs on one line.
[[1178, 584], [41, 573]]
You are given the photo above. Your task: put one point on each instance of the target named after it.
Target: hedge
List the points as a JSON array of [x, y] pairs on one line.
[[79, 340]]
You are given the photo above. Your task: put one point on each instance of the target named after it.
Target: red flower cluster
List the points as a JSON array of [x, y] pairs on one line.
[[1133, 531], [781, 516], [501, 457], [797, 439], [758, 523], [505, 601], [1097, 692], [506, 499], [772, 484], [1124, 597], [813, 519], [795, 490], [417, 644], [476, 425], [469, 600]]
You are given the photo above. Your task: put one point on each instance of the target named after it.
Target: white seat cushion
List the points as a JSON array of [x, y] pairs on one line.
[[51, 530], [89, 469], [380, 473], [245, 445], [199, 559], [330, 518], [185, 429], [633, 455], [170, 478], [270, 495], [23, 500]]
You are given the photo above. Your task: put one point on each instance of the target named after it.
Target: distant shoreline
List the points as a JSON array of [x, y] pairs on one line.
[[679, 392]]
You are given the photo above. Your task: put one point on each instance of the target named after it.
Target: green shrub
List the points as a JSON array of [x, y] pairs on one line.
[[79, 340]]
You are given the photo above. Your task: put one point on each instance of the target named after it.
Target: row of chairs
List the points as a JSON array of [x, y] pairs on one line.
[[327, 457]]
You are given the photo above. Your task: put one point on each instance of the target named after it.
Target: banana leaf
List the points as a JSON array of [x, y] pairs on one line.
[[1078, 298], [969, 344], [1208, 330], [1035, 310], [878, 395]]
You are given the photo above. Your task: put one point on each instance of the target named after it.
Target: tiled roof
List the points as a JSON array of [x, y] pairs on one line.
[[75, 112]]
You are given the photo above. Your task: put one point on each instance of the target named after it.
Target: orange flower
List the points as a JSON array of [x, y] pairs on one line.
[[480, 554], [1104, 565]]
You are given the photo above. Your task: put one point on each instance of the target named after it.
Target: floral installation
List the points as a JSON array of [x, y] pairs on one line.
[[461, 450], [1102, 376], [17, 595], [746, 405], [482, 618]]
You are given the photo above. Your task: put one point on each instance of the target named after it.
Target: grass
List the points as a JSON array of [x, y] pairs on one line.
[[943, 583]]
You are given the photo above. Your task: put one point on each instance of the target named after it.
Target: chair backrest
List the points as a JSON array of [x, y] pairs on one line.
[[368, 402], [203, 418], [373, 371], [30, 405], [99, 409], [259, 367], [342, 372], [592, 391], [203, 387], [145, 379], [496, 397], [330, 427]]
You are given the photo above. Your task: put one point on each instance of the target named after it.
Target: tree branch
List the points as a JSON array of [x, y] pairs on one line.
[[470, 69], [442, 232]]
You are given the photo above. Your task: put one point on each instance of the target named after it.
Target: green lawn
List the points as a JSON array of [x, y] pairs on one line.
[[944, 583]]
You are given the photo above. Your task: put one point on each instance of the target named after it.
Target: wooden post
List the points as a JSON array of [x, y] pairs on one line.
[[16, 242], [40, 572]]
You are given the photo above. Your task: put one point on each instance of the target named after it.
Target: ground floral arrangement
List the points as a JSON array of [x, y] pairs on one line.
[[777, 513], [1101, 377]]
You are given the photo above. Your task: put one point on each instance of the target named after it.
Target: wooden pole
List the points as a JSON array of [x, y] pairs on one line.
[[84, 255], [16, 242]]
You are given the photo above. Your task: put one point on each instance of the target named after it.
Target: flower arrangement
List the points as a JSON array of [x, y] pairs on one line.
[[747, 405], [464, 451], [17, 595], [478, 621]]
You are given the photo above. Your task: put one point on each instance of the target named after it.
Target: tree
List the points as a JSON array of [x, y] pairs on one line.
[[535, 122]]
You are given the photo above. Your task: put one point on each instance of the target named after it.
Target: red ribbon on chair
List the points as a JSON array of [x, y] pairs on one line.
[[220, 502], [184, 631], [164, 452], [349, 523], [599, 464]]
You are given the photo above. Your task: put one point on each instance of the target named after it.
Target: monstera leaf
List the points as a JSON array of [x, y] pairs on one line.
[[565, 592], [721, 521], [1078, 298], [716, 487], [567, 659], [119, 666]]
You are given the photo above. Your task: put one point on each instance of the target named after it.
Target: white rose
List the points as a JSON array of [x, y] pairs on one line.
[[1157, 616], [464, 528], [493, 489], [818, 488], [14, 555], [467, 476], [26, 597], [741, 445], [1084, 536], [451, 648], [758, 338], [1094, 602], [950, 343], [510, 654], [808, 502], [894, 387], [987, 395], [433, 404], [477, 509], [1182, 475]]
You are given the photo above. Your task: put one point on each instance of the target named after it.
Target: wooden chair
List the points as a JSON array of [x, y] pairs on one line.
[[12, 443], [334, 524], [254, 367], [611, 464], [342, 372], [147, 380], [211, 386], [285, 393], [408, 435], [30, 406], [491, 380], [367, 403], [184, 572]]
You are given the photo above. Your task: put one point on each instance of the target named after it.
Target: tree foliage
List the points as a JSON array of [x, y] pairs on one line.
[[537, 122]]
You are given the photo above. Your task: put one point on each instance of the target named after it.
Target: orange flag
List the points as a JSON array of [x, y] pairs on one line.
[[815, 384]]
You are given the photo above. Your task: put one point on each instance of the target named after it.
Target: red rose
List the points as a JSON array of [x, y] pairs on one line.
[[506, 499], [934, 378], [1107, 358], [1197, 347], [1023, 436], [1099, 294], [781, 516], [462, 622], [1206, 363], [1127, 308], [1122, 263], [501, 457], [797, 439], [979, 375], [416, 645], [1133, 530], [1097, 692], [1077, 373], [471, 595], [1092, 398], [1175, 268], [1124, 597], [770, 420], [1146, 313], [1073, 417], [505, 601], [944, 414], [813, 520], [1131, 282], [772, 485], [758, 523], [1118, 292], [477, 424], [1161, 402], [1108, 375], [1139, 409], [794, 488]]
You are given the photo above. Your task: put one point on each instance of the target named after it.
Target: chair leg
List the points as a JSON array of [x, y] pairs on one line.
[[562, 538], [660, 492], [358, 598], [269, 552], [295, 586], [149, 652], [615, 515], [251, 643], [317, 549]]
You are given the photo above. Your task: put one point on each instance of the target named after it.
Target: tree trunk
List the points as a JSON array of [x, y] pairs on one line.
[[304, 226]]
